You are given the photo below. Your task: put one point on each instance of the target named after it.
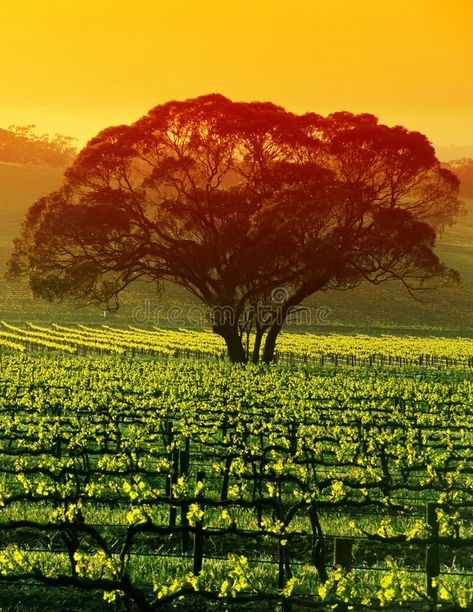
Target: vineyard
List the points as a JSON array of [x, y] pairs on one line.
[[153, 483], [292, 347]]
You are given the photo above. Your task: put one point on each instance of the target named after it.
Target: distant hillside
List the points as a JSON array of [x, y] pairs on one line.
[[23, 146], [382, 309], [20, 186], [463, 168]]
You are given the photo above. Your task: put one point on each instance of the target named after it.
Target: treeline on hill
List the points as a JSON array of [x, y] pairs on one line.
[[22, 146], [463, 168]]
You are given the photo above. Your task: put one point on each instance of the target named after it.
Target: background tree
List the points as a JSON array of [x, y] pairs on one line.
[[21, 145], [249, 207], [463, 169]]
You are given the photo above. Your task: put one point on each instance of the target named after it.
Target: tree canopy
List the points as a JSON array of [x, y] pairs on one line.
[[249, 207]]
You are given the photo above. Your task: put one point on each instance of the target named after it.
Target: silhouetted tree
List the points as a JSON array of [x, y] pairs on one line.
[[249, 207]]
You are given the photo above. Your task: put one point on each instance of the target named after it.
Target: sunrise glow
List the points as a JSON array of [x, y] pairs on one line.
[[77, 66]]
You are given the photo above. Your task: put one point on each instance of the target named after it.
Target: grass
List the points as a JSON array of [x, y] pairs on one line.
[[29, 597]]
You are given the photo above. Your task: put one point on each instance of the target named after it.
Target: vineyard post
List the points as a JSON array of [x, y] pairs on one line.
[[293, 430], [342, 553], [174, 477], [342, 556], [171, 478], [168, 439], [224, 425], [198, 536], [432, 559], [183, 470], [226, 479], [58, 444], [284, 572]]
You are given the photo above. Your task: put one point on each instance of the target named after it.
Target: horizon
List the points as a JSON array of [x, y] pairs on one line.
[[51, 130], [445, 152]]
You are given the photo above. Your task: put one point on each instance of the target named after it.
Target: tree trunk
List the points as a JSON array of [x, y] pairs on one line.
[[235, 350], [257, 346], [270, 344]]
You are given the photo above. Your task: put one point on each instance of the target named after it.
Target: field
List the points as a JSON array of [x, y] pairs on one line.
[[335, 349], [373, 310], [139, 478], [142, 471]]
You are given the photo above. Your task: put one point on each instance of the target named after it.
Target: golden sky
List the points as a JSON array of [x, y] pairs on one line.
[[77, 66]]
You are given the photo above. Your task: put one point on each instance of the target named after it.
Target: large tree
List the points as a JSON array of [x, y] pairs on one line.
[[249, 207]]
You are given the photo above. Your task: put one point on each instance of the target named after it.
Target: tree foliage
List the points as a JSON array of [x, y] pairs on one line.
[[249, 207]]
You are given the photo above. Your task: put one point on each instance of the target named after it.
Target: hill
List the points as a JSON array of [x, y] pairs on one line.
[[385, 308], [22, 145], [20, 186]]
